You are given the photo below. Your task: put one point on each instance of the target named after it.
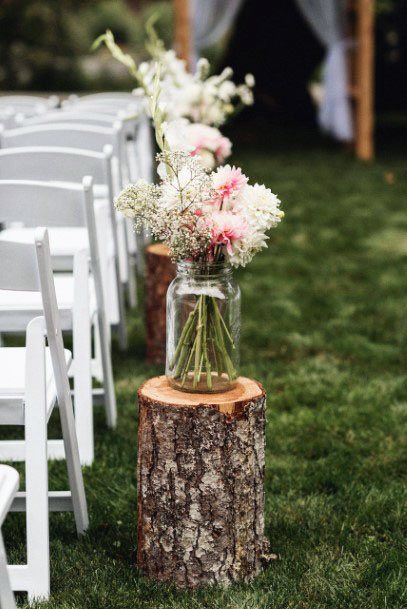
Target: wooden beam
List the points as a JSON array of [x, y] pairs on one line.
[[364, 115], [182, 30]]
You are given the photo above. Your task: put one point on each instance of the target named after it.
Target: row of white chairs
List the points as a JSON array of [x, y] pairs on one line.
[[61, 168], [32, 379]]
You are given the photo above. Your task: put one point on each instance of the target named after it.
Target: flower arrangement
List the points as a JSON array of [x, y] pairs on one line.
[[199, 97], [178, 90], [206, 218]]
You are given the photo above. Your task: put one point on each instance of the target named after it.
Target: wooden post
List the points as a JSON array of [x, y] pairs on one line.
[[182, 30], [160, 271], [201, 484], [364, 114]]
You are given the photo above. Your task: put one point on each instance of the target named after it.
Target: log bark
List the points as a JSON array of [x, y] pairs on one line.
[[201, 484], [160, 271]]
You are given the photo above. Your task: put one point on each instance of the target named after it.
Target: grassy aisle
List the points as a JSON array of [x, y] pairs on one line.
[[324, 329]]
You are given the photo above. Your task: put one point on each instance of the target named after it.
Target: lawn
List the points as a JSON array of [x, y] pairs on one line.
[[324, 329]]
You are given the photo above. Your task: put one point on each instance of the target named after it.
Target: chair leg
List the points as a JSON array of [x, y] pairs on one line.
[[121, 254], [108, 384], [97, 368], [83, 400], [73, 462], [36, 469], [131, 242], [6, 594], [132, 283]]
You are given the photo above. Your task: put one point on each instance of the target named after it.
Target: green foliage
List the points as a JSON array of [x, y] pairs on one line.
[[324, 329], [44, 44], [40, 44], [116, 16]]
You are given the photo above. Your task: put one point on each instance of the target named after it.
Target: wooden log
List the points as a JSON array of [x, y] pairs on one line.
[[201, 484], [160, 271]]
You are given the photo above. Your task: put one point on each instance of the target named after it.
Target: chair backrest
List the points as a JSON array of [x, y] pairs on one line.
[[67, 135], [51, 163], [107, 95], [72, 135], [103, 107], [35, 203], [26, 267], [9, 480], [29, 104], [75, 116], [129, 123], [18, 267]]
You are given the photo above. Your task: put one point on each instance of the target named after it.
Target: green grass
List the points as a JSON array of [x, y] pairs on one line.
[[324, 329]]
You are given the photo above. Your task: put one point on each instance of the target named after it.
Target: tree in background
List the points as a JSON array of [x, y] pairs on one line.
[[45, 44], [40, 44]]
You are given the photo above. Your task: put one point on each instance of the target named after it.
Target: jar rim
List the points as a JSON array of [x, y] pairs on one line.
[[206, 268]]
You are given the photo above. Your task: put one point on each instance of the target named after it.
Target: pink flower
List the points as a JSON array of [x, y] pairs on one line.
[[223, 150], [227, 181], [227, 228]]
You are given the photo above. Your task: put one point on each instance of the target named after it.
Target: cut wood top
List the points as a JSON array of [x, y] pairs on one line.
[[158, 249], [158, 390]]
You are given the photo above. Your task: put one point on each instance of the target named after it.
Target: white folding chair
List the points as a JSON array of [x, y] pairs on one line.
[[9, 480], [121, 96], [129, 126], [84, 137], [140, 155], [76, 115], [8, 118], [70, 165], [32, 379], [81, 302], [29, 104]]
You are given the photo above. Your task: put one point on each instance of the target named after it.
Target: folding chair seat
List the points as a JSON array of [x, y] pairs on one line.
[[80, 296], [32, 380], [9, 480], [83, 137]]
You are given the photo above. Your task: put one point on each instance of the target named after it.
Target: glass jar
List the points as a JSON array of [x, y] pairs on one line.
[[203, 328]]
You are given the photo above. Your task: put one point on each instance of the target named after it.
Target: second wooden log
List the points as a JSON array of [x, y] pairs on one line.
[[159, 272]]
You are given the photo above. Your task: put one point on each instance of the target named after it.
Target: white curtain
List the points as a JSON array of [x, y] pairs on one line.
[[327, 20], [211, 20]]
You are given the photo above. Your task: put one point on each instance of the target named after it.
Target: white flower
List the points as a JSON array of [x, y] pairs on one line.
[[249, 80], [206, 142], [259, 205]]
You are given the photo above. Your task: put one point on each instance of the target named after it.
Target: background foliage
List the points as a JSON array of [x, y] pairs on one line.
[[44, 46]]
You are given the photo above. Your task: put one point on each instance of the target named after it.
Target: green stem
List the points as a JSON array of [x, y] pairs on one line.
[[186, 368], [231, 372], [198, 344], [205, 343], [185, 335]]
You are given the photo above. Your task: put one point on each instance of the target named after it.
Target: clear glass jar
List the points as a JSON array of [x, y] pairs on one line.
[[203, 328]]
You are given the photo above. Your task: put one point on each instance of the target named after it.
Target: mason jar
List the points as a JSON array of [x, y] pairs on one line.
[[203, 328]]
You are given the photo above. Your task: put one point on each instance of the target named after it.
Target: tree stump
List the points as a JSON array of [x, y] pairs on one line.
[[160, 271], [201, 484]]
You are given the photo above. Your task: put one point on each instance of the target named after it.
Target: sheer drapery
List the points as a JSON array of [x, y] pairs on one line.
[[327, 20], [211, 20]]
